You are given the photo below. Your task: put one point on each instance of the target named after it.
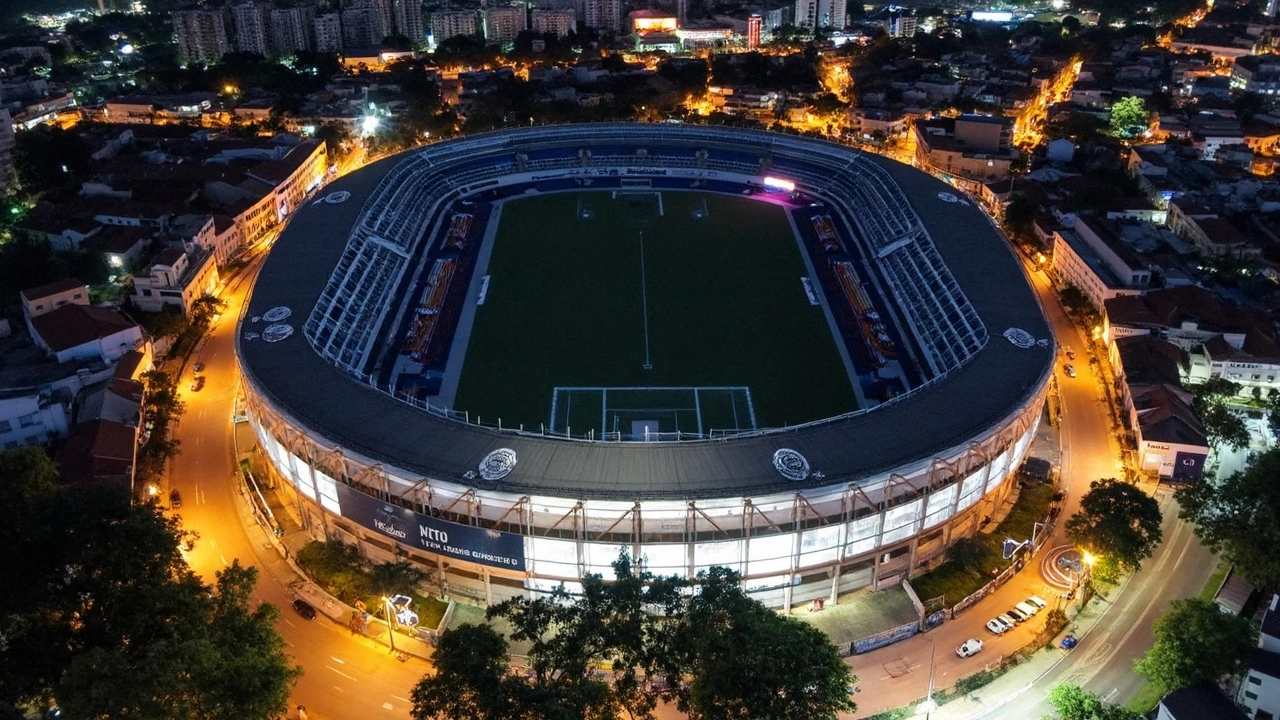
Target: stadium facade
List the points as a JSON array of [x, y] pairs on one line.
[[804, 512]]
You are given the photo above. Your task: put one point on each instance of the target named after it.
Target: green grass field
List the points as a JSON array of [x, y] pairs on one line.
[[566, 306]]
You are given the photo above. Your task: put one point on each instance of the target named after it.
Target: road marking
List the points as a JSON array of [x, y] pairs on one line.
[[339, 689], [340, 672], [1107, 698], [224, 560], [403, 700], [338, 660], [388, 706]]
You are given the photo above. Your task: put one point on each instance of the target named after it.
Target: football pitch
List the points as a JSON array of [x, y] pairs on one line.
[[640, 312]]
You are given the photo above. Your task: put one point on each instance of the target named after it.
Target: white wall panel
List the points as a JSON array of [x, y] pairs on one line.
[[770, 554], [900, 522], [727, 553], [862, 535], [820, 546], [940, 505]]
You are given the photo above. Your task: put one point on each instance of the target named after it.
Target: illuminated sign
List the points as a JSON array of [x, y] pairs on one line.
[[774, 183], [1000, 16]]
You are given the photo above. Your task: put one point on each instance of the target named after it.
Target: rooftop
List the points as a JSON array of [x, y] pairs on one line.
[[54, 288], [372, 424], [73, 325]]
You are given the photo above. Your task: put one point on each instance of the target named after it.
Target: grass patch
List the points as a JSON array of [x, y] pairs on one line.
[[717, 302], [973, 562], [1147, 697], [1215, 581], [344, 574]]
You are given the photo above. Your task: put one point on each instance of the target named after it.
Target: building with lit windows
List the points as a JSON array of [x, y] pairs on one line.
[[202, 36]]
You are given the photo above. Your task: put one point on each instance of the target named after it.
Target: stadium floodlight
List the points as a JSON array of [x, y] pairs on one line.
[[774, 183], [369, 124]]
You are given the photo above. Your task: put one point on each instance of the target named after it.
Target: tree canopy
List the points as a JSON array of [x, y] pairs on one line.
[[1223, 425], [96, 590], [1118, 522], [1071, 702], [712, 650], [1239, 517], [1196, 641], [1129, 116]]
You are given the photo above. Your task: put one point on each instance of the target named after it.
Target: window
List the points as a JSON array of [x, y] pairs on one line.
[[28, 420], [1251, 696], [1255, 680]]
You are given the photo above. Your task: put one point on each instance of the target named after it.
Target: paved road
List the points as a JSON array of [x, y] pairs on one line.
[[1103, 662], [345, 678]]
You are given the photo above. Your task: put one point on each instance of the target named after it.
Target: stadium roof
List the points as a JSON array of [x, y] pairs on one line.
[[996, 383]]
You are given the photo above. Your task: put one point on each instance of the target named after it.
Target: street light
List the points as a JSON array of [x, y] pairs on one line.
[[928, 706], [391, 627]]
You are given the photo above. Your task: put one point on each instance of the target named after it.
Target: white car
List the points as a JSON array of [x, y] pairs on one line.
[[1037, 601], [1028, 608], [997, 626], [971, 647], [1007, 619], [1071, 371]]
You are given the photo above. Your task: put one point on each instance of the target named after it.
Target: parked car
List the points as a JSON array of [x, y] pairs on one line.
[[197, 383], [971, 647], [1007, 620], [1069, 642], [1071, 370], [304, 609], [1028, 608], [175, 499], [198, 367], [1017, 614], [1071, 354], [997, 626], [1037, 601]]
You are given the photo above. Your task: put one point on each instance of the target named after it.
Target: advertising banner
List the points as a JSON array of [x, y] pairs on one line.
[[1188, 466], [464, 542]]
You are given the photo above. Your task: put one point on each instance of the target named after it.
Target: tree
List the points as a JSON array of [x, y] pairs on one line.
[[1196, 641], [96, 591], [1223, 425], [715, 652], [26, 473], [1071, 702], [747, 661], [1129, 116], [470, 678], [49, 157], [1239, 517], [1117, 521]]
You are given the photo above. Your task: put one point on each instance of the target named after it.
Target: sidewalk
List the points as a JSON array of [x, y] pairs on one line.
[[276, 555]]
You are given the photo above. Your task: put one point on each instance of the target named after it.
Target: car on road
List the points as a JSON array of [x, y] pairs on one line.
[[997, 626], [1027, 608], [303, 608], [197, 383], [971, 647], [175, 499], [1017, 614], [197, 368], [1007, 620], [1037, 601], [1071, 354], [1071, 370]]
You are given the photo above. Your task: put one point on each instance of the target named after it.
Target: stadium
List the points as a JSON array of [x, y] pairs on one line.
[[508, 356]]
